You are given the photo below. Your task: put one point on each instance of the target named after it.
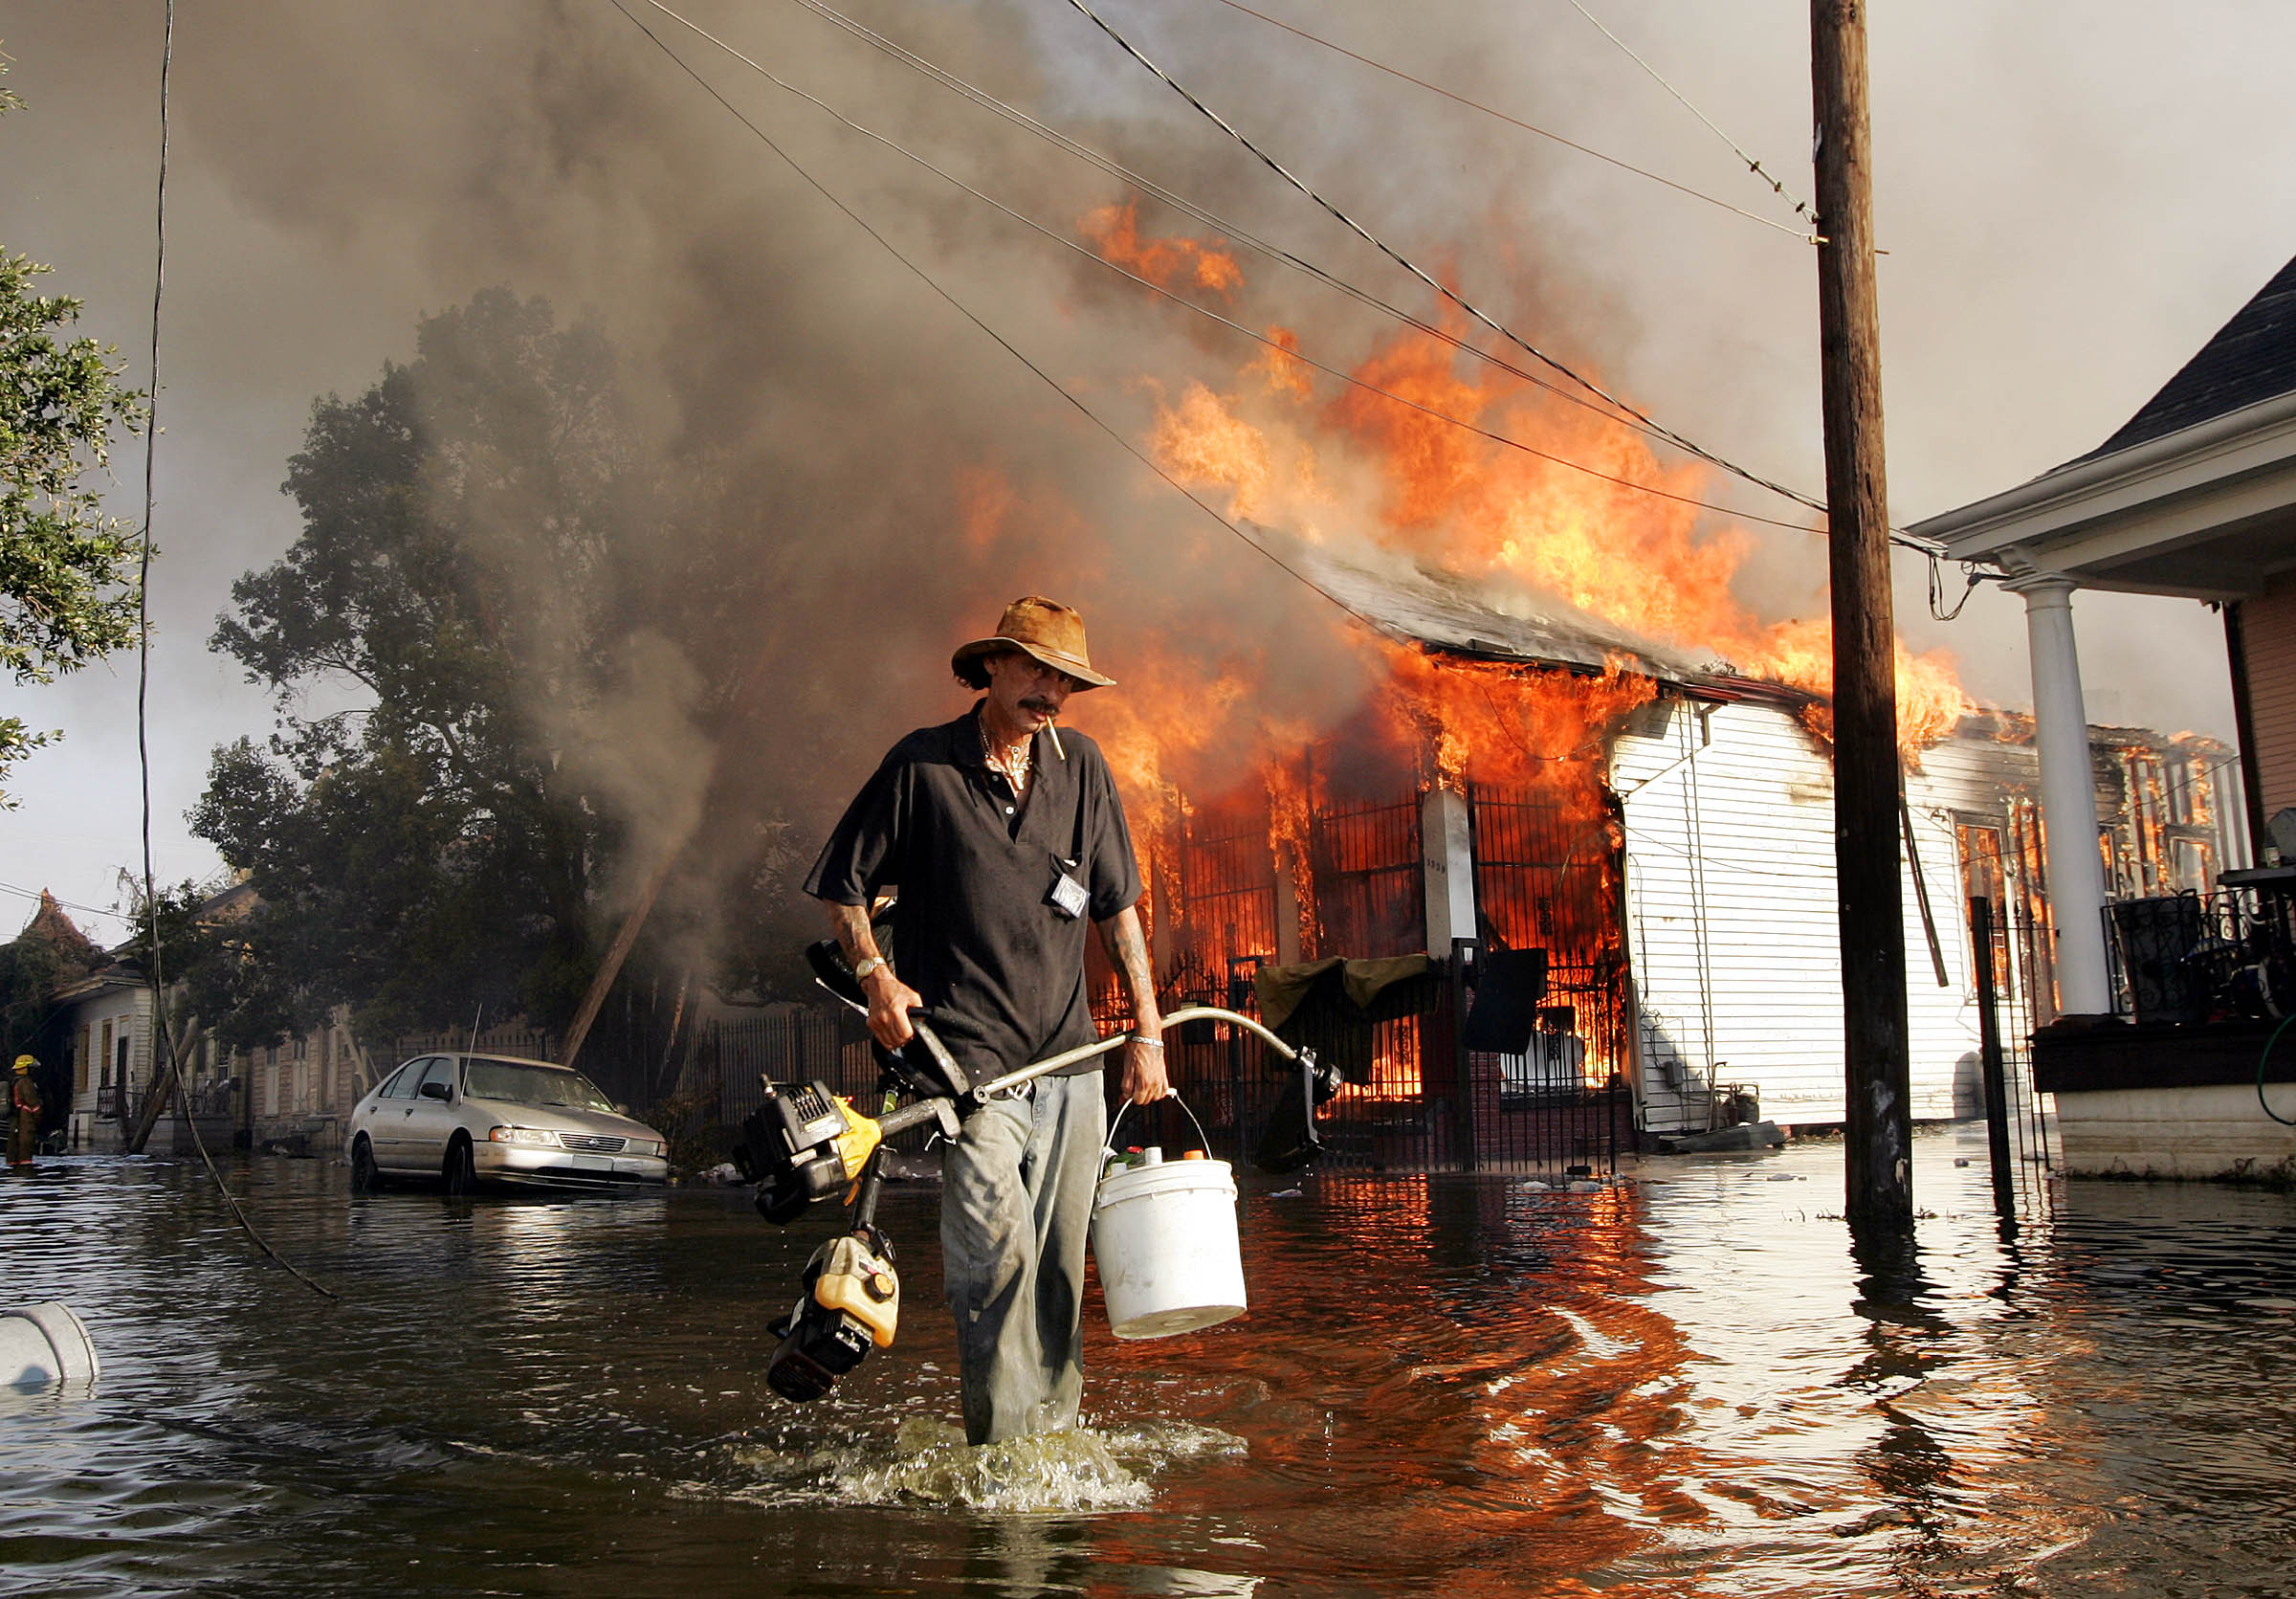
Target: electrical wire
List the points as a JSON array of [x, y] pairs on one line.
[[151, 451], [1752, 165], [1236, 234], [1517, 121], [1493, 325], [966, 311], [68, 904], [1233, 233], [1071, 245], [162, 1033], [1969, 571], [1213, 315], [2259, 1073]]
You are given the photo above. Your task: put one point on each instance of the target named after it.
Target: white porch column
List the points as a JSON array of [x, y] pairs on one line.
[[1448, 865], [2068, 796]]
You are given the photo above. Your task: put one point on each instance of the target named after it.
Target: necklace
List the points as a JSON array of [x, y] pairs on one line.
[[1015, 761]]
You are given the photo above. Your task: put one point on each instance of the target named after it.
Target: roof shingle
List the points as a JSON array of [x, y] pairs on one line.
[[2252, 358]]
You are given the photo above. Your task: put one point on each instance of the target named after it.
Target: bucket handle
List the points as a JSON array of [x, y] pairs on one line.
[[1108, 1150]]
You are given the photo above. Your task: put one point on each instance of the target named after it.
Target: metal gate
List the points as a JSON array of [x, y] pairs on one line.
[[1547, 877], [2008, 1000]]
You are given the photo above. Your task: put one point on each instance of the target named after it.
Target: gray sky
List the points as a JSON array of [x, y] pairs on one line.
[[2074, 194]]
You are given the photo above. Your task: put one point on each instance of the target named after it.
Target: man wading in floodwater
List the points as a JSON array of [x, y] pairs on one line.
[[1000, 836]]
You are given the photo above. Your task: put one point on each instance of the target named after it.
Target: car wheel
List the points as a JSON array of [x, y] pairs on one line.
[[461, 1170], [366, 1176]]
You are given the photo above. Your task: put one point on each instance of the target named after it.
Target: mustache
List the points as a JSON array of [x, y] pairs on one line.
[[1036, 702]]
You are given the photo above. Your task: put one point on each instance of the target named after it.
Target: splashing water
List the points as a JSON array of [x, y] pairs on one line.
[[926, 1463]]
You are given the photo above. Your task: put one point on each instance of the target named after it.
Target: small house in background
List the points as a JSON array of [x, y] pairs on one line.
[[2178, 984], [1660, 837], [291, 1095]]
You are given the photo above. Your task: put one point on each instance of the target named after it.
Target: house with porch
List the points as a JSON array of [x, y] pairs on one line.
[[2166, 1072], [1646, 844]]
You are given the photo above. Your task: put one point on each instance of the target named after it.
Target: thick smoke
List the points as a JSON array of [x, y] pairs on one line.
[[889, 472], [892, 475]]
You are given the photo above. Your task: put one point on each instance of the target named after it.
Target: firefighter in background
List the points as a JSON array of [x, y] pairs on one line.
[[24, 1099]]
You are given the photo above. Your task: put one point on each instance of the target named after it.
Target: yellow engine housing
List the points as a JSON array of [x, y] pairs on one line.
[[860, 1282]]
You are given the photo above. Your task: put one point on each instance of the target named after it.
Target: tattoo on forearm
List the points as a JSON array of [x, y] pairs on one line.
[[1128, 950], [850, 926]]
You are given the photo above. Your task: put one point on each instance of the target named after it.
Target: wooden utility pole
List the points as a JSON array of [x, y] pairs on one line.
[[1877, 1122]]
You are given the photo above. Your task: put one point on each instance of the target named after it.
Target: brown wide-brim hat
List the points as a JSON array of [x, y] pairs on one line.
[[1036, 626]]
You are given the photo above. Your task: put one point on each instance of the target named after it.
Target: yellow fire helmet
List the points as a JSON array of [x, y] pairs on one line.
[[25, 1063]]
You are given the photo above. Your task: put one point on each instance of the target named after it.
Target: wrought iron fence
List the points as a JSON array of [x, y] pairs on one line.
[[1415, 1101], [2011, 1002], [2184, 958]]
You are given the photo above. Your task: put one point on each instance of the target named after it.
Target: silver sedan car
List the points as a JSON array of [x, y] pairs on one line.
[[473, 1118]]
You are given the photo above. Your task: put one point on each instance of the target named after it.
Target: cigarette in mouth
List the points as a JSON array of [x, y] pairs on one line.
[[1052, 728]]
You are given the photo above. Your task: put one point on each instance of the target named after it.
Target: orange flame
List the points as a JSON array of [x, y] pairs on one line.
[[1115, 233], [1655, 565]]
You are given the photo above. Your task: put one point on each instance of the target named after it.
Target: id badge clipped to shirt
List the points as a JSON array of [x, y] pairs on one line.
[[1067, 895]]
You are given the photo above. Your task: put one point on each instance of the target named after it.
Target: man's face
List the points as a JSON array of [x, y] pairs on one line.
[[1025, 691]]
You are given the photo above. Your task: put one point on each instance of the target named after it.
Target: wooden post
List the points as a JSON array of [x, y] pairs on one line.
[[601, 981], [1992, 1066], [1877, 1121]]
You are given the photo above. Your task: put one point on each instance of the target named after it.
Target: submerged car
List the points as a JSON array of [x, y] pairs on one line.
[[473, 1118]]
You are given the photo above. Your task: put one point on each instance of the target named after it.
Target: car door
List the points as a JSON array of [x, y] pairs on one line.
[[430, 1119], [389, 1126]]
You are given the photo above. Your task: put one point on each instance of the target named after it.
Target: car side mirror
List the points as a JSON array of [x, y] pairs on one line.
[[435, 1091]]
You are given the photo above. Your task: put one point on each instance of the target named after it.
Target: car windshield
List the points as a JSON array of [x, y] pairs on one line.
[[532, 1085]]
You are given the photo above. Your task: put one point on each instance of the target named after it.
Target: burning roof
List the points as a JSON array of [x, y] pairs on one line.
[[1422, 604]]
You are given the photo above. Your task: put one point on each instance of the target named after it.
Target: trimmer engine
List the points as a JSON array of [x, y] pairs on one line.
[[806, 1144], [852, 1302]]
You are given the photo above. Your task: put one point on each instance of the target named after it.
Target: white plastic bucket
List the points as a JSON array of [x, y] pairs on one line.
[[42, 1345], [1164, 1239]]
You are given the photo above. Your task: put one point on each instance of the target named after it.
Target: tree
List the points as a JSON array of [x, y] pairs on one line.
[[68, 591], [493, 573], [49, 953], [217, 987]]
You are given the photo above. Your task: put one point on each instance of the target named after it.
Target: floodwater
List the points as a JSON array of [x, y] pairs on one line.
[[1686, 1383]]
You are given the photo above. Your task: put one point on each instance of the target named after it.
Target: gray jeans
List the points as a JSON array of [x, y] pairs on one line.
[[1016, 1206]]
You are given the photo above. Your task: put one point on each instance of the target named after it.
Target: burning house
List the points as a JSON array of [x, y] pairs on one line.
[[1633, 853]]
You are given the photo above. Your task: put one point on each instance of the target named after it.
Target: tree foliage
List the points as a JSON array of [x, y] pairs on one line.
[[217, 984], [486, 568], [67, 571], [49, 953]]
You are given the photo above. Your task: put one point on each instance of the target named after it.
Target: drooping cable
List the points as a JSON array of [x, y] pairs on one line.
[[151, 451], [966, 311], [1938, 607], [1071, 245], [68, 904], [1468, 307], [1234, 233], [1517, 121], [1752, 165], [1231, 231], [163, 1035]]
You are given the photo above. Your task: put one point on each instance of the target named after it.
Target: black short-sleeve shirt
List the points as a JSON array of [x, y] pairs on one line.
[[1000, 968]]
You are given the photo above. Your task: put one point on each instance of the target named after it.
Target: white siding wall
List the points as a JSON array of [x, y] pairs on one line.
[[1730, 923]]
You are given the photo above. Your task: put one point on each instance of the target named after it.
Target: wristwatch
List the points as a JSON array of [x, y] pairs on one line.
[[862, 971]]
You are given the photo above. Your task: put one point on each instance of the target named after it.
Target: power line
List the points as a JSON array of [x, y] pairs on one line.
[[1428, 279], [1752, 165], [162, 1035], [925, 277], [151, 451], [1233, 233], [1633, 421], [1517, 121], [68, 904], [1205, 311]]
